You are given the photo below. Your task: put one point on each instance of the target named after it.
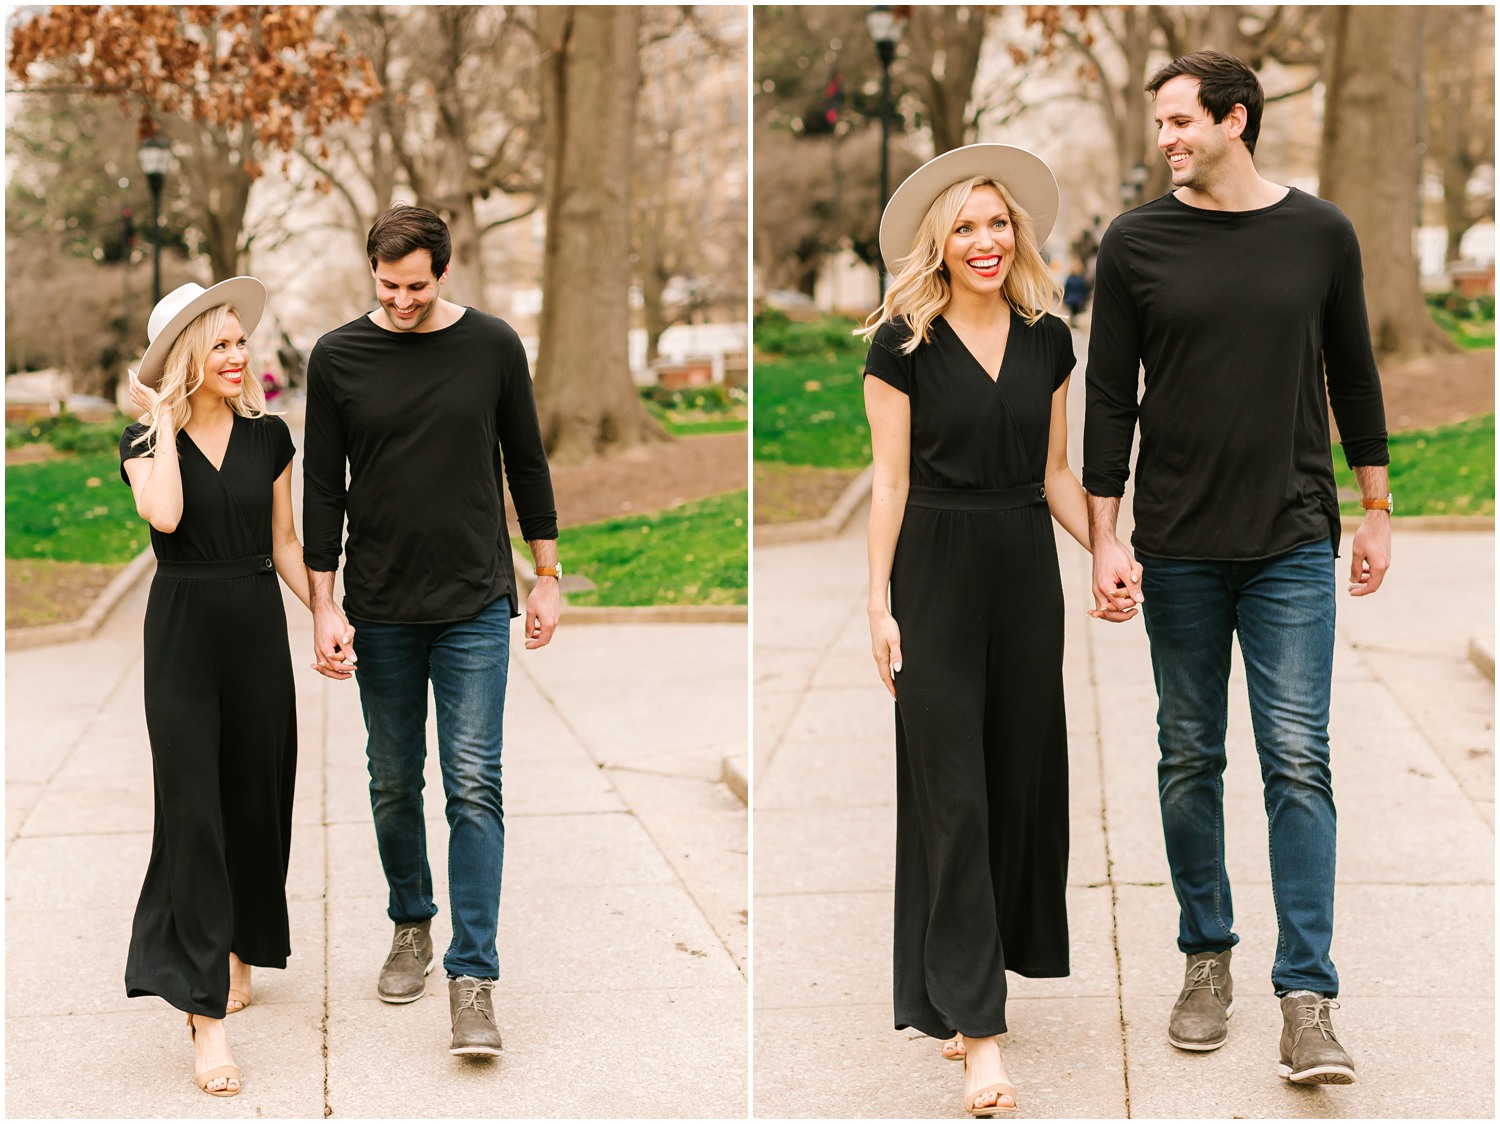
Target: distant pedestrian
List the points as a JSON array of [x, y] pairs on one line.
[[1237, 294], [420, 399], [967, 399], [211, 472], [1075, 289]]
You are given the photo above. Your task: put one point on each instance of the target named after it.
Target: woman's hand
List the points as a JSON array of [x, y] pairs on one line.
[[885, 644], [143, 396]]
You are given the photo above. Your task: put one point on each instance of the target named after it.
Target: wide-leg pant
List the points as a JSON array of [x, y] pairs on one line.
[[982, 772], [221, 713]]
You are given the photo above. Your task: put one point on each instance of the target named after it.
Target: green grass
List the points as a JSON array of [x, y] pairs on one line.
[[72, 509], [1449, 470], [1469, 322], [692, 411], [693, 554], [812, 412]]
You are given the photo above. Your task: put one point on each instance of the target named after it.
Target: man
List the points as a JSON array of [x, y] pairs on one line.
[[1236, 293], [421, 397]]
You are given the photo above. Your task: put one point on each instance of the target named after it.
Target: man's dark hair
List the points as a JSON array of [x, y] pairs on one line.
[[1223, 82], [405, 229]]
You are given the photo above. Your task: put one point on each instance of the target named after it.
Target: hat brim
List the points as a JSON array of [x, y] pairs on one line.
[[247, 295], [1024, 174]]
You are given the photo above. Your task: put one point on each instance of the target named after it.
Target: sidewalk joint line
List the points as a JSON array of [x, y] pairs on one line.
[[666, 857], [327, 897], [806, 688], [1109, 870]]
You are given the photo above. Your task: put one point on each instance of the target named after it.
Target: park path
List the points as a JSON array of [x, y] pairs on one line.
[[623, 931], [1413, 764]]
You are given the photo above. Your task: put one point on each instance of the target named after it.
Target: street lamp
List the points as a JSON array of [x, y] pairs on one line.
[[155, 157], [885, 25]]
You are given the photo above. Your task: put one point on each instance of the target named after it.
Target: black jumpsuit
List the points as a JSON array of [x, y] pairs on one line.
[[221, 713], [981, 737]]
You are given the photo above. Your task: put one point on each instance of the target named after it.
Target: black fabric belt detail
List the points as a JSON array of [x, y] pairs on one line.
[[976, 499], [218, 568]]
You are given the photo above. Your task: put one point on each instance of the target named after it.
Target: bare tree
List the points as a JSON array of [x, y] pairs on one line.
[[942, 49], [1371, 167], [1461, 110], [229, 86], [688, 204], [590, 76]]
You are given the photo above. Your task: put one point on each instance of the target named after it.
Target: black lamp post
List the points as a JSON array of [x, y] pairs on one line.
[[155, 157], [885, 26]]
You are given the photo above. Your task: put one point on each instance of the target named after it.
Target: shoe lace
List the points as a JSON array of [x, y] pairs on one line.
[[1315, 1016], [469, 990], [1202, 976], [406, 941]]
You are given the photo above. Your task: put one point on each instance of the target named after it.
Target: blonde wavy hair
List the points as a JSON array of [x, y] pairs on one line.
[[182, 374], [919, 289]]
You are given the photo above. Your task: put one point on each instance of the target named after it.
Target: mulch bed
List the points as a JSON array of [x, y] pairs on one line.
[[791, 493], [48, 592], [649, 478]]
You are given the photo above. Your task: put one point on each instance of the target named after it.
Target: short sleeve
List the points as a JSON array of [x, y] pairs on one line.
[[129, 450], [1063, 351], [885, 360], [282, 449]]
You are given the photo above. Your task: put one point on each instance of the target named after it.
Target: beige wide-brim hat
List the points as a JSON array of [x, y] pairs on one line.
[[1024, 174], [186, 303]]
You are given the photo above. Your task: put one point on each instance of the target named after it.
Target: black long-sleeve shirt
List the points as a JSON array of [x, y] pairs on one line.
[[1234, 315], [422, 419]]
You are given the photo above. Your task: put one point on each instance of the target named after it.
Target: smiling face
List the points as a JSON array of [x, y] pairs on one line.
[[981, 244], [224, 366], [407, 291], [1195, 145]]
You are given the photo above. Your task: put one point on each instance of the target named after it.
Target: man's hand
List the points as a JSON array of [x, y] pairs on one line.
[[543, 607], [332, 637], [1117, 581], [1371, 554]]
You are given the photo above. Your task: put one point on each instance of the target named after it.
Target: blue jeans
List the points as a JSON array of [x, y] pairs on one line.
[[1283, 610], [466, 663]]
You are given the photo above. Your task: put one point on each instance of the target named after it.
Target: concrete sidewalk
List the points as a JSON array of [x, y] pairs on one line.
[[622, 926], [1413, 743]]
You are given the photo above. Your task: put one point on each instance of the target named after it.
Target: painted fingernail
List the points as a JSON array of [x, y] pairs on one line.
[[896, 667]]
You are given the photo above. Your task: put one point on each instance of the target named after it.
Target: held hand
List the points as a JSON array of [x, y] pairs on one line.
[[543, 608], [143, 396], [885, 644], [1370, 557], [1117, 583], [332, 636]]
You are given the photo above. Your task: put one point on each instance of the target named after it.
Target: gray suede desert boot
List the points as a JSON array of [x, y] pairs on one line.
[[471, 1003], [1200, 1018], [403, 979], [1310, 1054]]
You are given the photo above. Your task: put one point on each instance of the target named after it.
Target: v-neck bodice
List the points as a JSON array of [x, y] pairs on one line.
[[226, 512], [999, 371], [234, 419], [969, 431]]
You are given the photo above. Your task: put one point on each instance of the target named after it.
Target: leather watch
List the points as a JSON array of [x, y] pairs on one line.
[[552, 571], [1387, 505]]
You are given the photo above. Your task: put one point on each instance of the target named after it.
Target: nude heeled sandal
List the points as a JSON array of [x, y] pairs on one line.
[[229, 1072], [1002, 1091]]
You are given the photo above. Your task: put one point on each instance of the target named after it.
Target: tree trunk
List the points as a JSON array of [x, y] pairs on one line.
[[1370, 165], [591, 70], [956, 33], [467, 281]]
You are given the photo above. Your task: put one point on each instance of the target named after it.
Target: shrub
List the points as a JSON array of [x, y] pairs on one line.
[[833, 335]]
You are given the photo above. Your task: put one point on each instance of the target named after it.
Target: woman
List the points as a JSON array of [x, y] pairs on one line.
[[968, 421], [211, 473]]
